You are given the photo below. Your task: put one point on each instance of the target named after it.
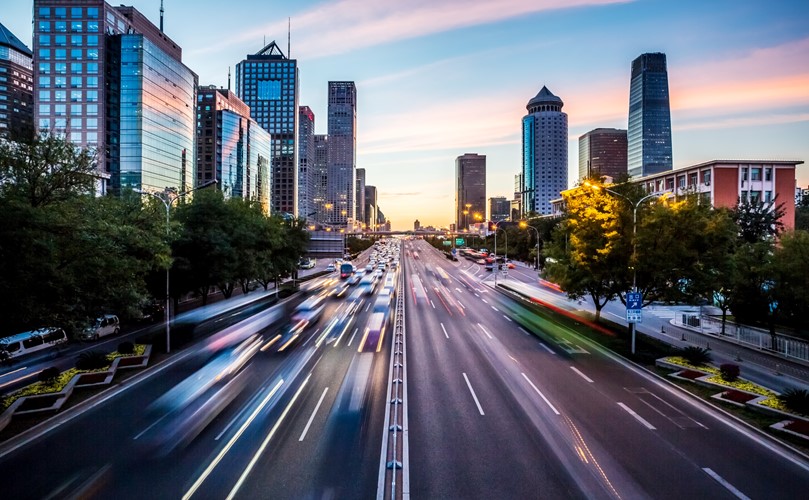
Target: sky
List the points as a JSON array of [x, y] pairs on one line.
[[440, 78]]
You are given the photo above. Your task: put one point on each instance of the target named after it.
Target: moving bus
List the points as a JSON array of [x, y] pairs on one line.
[[346, 270]]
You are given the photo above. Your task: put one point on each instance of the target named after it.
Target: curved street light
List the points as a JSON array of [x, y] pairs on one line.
[[167, 199]]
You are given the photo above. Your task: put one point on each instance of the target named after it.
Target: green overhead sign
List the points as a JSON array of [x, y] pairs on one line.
[[446, 243], [459, 241]]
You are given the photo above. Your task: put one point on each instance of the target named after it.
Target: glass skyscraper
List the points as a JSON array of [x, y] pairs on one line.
[[544, 157], [602, 151], [267, 82], [342, 126], [649, 134], [470, 189], [16, 87], [306, 163]]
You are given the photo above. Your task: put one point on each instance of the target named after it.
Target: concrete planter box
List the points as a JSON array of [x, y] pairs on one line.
[[781, 426]]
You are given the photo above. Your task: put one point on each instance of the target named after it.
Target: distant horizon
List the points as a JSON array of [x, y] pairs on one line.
[[440, 78]]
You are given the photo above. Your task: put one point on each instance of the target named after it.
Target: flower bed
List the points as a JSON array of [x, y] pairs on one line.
[[797, 427], [737, 396], [690, 374]]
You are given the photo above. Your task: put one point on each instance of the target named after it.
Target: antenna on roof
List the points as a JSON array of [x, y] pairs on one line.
[[289, 37], [161, 16], [228, 77]]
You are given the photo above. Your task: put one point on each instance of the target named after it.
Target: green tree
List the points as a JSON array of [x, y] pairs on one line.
[[790, 273]]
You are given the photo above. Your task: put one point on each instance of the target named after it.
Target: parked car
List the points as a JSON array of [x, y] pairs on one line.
[[29, 342], [103, 326]]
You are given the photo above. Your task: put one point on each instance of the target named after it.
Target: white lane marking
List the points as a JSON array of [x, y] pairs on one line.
[[524, 331], [431, 303], [459, 290], [670, 406], [352, 336], [585, 377], [540, 394], [317, 407], [208, 470], [267, 439], [367, 307], [144, 431], [462, 304], [476, 295], [485, 301], [617, 316], [473, 394], [496, 309], [547, 348], [719, 479], [507, 318], [12, 372], [484, 331], [445, 330], [637, 417]]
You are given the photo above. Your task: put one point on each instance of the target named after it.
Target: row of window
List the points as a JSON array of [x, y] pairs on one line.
[[75, 95], [61, 27], [755, 174], [75, 40], [60, 82], [61, 12], [75, 54], [75, 68]]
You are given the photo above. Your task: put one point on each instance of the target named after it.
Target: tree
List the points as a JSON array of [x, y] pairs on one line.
[[759, 221], [790, 274]]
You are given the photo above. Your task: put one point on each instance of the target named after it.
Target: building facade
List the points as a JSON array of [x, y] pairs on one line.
[[516, 202], [602, 152], [342, 130], [544, 152], [359, 197], [371, 208], [320, 177], [16, 87], [470, 189], [649, 133], [267, 82], [306, 164], [110, 80], [499, 208]]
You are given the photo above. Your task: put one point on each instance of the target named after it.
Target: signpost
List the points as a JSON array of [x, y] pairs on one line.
[[454, 251], [634, 302]]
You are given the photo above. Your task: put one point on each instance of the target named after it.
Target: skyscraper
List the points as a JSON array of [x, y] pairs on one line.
[[16, 87], [110, 79], [267, 81], [544, 152], [320, 177], [470, 189], [602, 151], [499, 208], [649, 134], [359, 196], [371, 207], [342, 126], [231, 147], [306, 163]]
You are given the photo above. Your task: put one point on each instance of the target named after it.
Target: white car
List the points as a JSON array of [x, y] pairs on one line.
[[330, 268], [103, 326]]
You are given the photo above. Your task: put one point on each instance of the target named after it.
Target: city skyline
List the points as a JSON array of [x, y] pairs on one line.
[[736, 90]]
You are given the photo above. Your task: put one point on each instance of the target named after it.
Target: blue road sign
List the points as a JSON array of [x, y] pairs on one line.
[[633, 300], [454, 251]]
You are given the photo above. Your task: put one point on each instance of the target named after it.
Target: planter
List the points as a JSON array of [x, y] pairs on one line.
[[96, 378], [736, 397], [798, 427]]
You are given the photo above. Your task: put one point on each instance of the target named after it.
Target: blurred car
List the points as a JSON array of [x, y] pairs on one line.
[[330, 268], [307, 313], [152, 311], [101, 327], [511, 265]]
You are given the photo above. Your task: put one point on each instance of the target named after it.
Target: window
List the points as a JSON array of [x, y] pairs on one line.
[[60, 27], [75, 54], [75, 40], [60, 13], [92, 109], [92, 96], [60, 110], [92, 40], [75, 12], [60, 54], [60, 40], [44, 68], [60, 68], [76, 26], [60, 96], [706, 177], [92, 81], [44, 40], [92, 68], [768, 174], [755, 174], [75, 69], [92, 12], [45, 54], [34, 341], [744, 174], [92, 26], [75, 136], [44, 12], [60, 82], [767, 196], [44, 95], [44, 124], [92, 54], [92, 123], [75, 109], [44, 109], [44, 82], [75, 95]]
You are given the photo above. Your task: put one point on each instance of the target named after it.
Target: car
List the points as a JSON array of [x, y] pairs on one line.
[[369, 268], [330, 268], [101, 327], [511, 265], [354, 279], [33, 341]]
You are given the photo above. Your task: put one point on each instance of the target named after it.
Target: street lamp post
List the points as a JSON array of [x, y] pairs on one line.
[[496, 224], [167, 202], [524, 224], [635, 206]]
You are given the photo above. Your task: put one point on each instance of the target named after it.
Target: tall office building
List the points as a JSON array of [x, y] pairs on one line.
[[320, 178], [602, 151], [231, 147], [16, 87], [499, 208], [306, 160], [371, 208], [470, 189], [516, 202], [267, 81], [544, 152], [342, 126], [649, 134], [109, 79], [359, 197]]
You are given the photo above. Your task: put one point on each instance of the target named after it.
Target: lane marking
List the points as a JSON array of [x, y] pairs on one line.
[[547, 348], [461, 303], [473, 394], [15, 371], [553, 408], [485, 301], [317, 407], [476, 295], [637, 417], [445, 330], [367, 307], [484, 331], [352, 336], [585, 377], [459, 290], [508, 318], [524, 331], [719, 479]]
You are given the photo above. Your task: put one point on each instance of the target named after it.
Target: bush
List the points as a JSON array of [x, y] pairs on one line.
[[697, 356], [126, 348], [92, 360], [729, 372], [796, 400], [48, 375]]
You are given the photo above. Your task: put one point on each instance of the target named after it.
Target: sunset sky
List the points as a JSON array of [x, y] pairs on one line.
[[439, 78]]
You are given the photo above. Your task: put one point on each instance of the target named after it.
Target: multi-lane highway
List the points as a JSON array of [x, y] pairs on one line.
[[502, 403]]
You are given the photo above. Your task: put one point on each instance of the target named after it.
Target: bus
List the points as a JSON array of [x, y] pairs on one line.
[[33, 341], [346, 270]]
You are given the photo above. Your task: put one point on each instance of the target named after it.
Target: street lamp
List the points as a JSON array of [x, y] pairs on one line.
[[523, 225], [635, 206], [496, 224], [167, 202]]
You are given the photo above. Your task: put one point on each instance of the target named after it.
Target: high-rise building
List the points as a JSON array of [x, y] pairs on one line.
[[109, 79], [544, 152], [649, 134], [306, 161], [416, 225], [602, 151], [359, 197], [231, 147], [342, 126], [499, 208], [267, 81], [371, 208], [470, 189], [320, 178], [516, 202], [16, 87]]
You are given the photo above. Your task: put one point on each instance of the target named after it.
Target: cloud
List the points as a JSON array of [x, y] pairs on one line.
[[347, 25]]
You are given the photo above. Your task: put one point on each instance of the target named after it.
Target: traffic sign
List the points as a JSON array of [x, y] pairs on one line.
[[459, 241], [453, 251], [446, 243], [634, 304]]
